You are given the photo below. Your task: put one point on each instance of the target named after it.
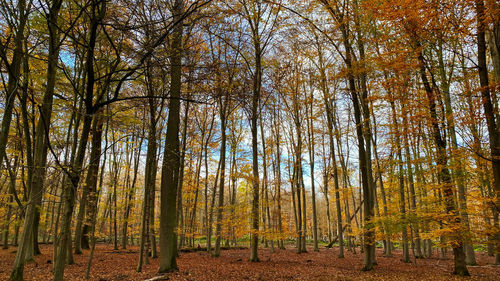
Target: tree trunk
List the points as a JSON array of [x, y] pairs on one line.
[[311, 142], [364, 167], [13, 76], [489, 112], [74, 171], [171, 161], [330, 120], [402, 205], [91, 181], [278, 177], [211, 213], [180, 215], [149, 180], [444, 175], [257, 83], [218, 229], [131, 193], [32, 215], [93, 197]]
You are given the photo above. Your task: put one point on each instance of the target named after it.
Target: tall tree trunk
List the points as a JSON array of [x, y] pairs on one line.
[[330, 121], [257, 83], [170, 167], [365, 109], [205, 218], [234, 184], [74, 171], [345, 177], [411, 184], [387, 241], [489, 112], [12, 173], [458, 172], [131, 193], [364, 166], [402, 205], [265, 183], [180, 215], [116, 168], [218, 229], [7, 224], [151, 214], [311, 142], [43, 126], [278, 176], [93, 196], [298, 180], [32, 215], [204, 145], [444, 176], [90, 184], [149, 180], [211, 213], [13, 76]]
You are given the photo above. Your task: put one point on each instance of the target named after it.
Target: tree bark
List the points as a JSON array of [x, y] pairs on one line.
[[444, 175], [32, 215], [489, 112], [330, 120], [257, 83], [311, 142], [171, 161], [402, 205], [223, 104]]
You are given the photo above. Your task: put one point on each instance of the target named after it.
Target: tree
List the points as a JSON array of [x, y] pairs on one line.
[[29, 239], [489, 112], [170, 167]]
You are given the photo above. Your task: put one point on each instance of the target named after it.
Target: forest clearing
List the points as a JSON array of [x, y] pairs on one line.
[[111, 265], [331, 139]]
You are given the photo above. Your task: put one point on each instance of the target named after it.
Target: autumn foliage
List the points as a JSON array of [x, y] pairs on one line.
[[367, 131]]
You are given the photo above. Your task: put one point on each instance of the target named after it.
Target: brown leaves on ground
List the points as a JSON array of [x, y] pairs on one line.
[[111, 265]]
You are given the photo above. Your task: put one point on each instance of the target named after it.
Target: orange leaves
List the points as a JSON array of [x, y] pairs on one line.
[[234, 265]]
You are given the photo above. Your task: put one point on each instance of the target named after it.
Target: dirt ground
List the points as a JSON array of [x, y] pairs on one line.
[[111, 265]]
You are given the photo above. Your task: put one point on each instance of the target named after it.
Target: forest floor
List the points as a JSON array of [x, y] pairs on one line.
[[111, 265]]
